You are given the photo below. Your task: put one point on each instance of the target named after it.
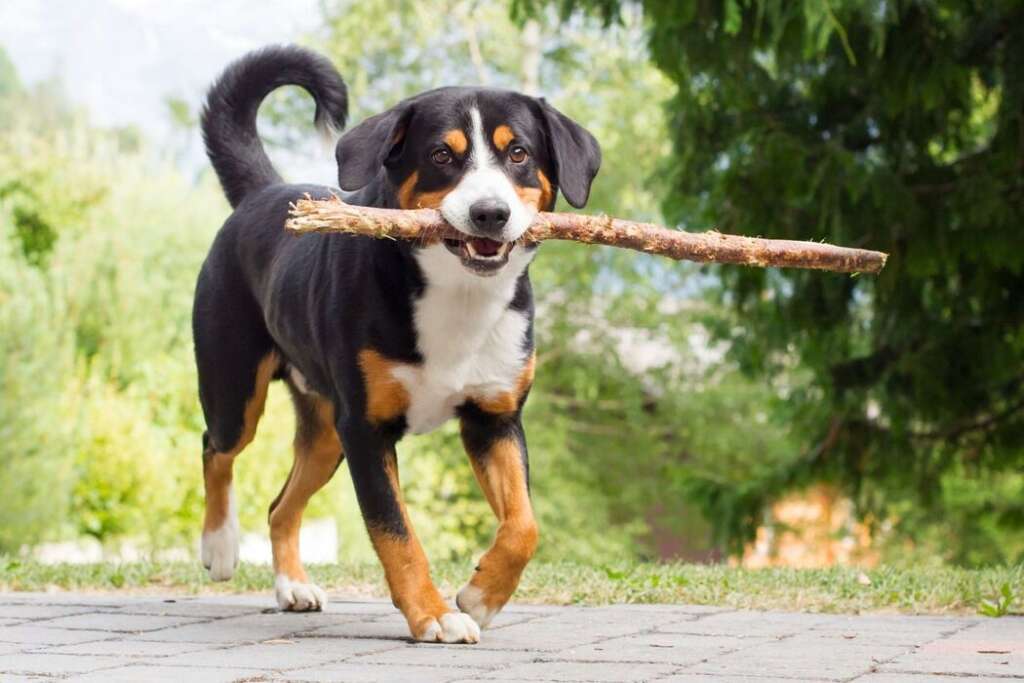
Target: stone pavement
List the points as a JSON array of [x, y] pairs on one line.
[[111, 637]]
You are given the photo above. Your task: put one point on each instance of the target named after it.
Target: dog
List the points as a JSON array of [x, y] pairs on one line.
[[377, 338]]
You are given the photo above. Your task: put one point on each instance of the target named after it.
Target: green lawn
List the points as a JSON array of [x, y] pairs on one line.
[[933, 591]]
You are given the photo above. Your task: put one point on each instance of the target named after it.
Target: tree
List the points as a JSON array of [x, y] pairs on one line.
[[896, 126]]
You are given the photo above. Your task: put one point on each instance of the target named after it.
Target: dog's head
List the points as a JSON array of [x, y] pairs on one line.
[[488, 159]]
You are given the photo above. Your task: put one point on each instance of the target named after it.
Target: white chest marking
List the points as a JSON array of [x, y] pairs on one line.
[[471, 342]]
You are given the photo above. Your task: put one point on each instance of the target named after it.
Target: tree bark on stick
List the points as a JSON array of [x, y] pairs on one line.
[[426, 226]]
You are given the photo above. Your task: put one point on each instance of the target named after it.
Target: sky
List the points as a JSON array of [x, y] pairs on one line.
[[120, 59]]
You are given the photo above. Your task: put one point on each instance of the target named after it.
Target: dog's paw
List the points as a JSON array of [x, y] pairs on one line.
[[220, 551], [452, 627], [471, 601], [294, 596]]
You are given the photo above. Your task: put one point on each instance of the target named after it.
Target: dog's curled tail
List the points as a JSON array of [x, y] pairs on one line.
[[229, 115]]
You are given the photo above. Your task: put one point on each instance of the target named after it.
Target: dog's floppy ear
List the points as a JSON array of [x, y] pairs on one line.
[[374, 143], [575, 153]]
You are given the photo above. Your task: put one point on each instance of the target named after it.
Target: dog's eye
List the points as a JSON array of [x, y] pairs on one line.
[[517, 154], [441, 156]]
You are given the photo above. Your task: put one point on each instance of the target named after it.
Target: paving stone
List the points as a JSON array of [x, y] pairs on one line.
[[37, 663], [110, 600], [658, 609], [532, 608], [260, 600], [888, 629], [113, 621], [581, 671], [237, 629], [31, 611], [126, 648], [505, 619], [896, 623], [375, 607], [37, 635], [195, 608], [437, 654], [745, 623], [710, 678], [966, 653], [839, 662], [658, 648], [612, 620], [360, 673], [927, 678], [393, 630], [551, 634], [134, 673], [283, 653]]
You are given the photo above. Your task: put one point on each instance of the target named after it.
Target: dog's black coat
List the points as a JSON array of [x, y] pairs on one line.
[[317, 300]]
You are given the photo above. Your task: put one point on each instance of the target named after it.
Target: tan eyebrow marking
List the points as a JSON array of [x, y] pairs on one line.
[[456, 139], [503, 135]]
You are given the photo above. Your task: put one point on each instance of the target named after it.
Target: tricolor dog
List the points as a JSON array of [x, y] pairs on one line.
[[376, 338]]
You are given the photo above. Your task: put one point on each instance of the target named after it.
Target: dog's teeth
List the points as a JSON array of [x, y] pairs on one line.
[[497, 256]]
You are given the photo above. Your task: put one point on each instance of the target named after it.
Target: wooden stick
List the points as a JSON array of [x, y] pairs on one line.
[[427, 226]]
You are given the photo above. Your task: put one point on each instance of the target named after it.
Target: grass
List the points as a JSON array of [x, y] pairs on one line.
[[992, 592]]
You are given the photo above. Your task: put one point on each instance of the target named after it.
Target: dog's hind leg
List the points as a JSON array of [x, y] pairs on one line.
[[228, 433], [496, 446], [236, 360], [318, 453]]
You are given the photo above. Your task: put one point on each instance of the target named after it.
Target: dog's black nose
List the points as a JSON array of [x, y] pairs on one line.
[[489, 216]]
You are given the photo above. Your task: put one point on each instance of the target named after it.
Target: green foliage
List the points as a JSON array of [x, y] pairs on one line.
[[1001, 604], [894, 126], [34, 441], [10, 85]]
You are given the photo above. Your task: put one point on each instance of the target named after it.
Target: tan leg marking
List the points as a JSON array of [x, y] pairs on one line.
[[508, 402], [219, 523], [408, 575], [502, 477], [317, 455], [386, 398], [502, 136]]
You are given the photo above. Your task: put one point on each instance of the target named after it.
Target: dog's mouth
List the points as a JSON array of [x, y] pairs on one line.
[[480, 255]]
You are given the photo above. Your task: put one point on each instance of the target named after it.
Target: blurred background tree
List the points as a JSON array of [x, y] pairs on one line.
[[896, 126]]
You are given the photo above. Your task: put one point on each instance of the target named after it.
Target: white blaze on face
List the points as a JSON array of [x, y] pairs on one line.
[[485, 179]]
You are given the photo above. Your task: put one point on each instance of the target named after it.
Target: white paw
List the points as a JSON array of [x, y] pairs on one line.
[[454, 627], [293, 596], [471, 601], [220, 548]]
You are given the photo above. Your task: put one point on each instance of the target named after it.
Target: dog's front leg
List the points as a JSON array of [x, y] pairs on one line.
[[496, 446], [371, 460]]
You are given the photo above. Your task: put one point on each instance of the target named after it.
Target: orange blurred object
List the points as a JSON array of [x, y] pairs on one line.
[[811, 529]]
